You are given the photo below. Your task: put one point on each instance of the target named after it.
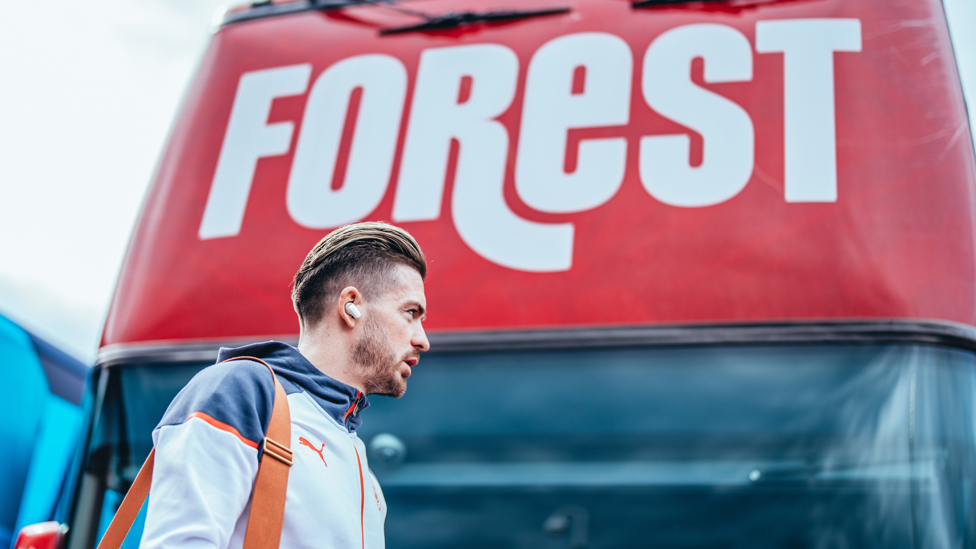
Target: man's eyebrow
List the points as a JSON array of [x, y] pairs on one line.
[[416, 305]]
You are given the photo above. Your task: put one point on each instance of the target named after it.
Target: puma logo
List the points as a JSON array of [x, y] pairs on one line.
[[304, 442]]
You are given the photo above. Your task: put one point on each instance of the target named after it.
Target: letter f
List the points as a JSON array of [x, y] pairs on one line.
[[248, 138]]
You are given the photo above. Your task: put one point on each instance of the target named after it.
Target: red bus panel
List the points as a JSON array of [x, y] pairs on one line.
[[738, 161]]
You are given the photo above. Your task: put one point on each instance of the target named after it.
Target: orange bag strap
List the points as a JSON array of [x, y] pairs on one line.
[[268, 501]]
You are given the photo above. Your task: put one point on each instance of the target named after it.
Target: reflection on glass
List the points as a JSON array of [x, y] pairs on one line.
[[723, 446], [128, 403], [788, 446]]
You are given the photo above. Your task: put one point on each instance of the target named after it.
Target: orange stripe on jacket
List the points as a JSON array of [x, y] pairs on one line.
[[362, 501], [223, 427]]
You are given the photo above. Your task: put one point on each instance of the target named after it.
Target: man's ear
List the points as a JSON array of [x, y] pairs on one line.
[[349, 294]]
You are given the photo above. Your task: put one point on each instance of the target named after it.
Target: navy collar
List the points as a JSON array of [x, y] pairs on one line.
[[296, 374]]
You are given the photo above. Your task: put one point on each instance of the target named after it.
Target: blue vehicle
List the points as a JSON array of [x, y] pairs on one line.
[[42, 391]]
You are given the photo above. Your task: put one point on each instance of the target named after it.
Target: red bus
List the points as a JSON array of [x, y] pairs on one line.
[[702, 274]]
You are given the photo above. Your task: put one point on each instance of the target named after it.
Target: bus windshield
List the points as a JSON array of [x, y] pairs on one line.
[[823, 445]]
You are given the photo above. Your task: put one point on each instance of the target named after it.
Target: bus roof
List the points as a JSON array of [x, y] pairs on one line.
[[569, 163]]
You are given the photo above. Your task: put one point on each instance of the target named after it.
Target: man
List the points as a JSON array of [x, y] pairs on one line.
[[207, 444]]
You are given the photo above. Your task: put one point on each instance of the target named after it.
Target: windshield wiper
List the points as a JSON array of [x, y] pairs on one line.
[[731, 4], [265, 8], [452, 20], [327, 5], [653, 3]]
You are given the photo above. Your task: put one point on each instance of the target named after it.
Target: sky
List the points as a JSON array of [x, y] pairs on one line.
[[87, 96]]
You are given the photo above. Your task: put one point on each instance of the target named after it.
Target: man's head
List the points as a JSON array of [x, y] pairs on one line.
[[380, 269]]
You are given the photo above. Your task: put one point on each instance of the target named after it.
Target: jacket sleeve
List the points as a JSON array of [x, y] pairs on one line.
[[207, 457]]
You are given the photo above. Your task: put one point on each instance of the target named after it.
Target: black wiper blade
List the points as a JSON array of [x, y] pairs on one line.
[[326, 5], [733, 4], [265, 8], [457, 19], [653, 3], [656, 3]]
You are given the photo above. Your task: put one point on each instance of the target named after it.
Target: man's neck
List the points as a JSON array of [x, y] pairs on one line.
[[331, 355]]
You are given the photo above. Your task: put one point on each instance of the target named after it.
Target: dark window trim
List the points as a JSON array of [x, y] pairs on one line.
[[932, 332]]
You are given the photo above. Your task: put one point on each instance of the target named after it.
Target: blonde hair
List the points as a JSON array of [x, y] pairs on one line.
[[364, 255]]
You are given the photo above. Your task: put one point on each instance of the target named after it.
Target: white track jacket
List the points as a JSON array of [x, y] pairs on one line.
[[207, 453]]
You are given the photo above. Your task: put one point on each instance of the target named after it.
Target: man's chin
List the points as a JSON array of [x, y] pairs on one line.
[[396, 389], [401, 389]]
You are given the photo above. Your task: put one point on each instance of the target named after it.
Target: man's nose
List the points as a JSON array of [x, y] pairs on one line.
[[419, 339]]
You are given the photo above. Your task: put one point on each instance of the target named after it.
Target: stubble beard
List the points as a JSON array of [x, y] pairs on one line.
[[380, 362]]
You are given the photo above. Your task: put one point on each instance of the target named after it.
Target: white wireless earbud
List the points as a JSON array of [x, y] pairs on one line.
[[353, 311]]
